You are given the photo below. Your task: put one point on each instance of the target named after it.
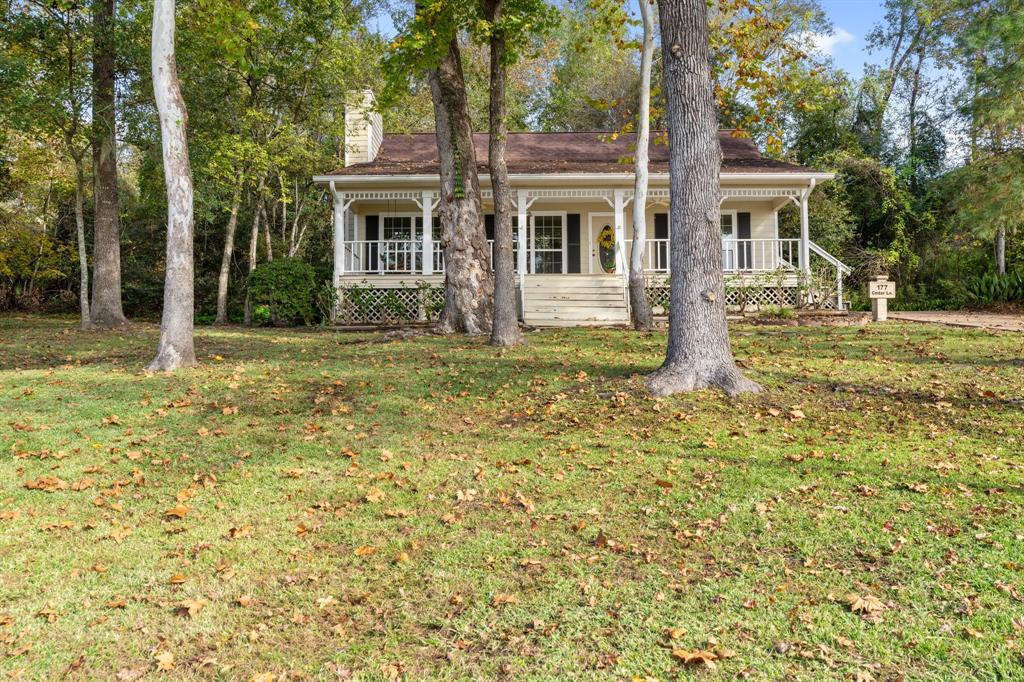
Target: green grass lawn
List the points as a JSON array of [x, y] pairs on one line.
[[326, 505]]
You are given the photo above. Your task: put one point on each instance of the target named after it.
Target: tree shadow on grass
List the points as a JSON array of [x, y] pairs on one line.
[[920, 398]]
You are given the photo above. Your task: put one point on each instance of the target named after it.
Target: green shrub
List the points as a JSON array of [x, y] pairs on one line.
[[990, 289], [778, 313], [326, 299], [261, 315], [287, 287], [941, 294]]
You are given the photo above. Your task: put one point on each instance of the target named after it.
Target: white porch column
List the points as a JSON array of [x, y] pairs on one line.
[[339, 236], [805, 231], [620, 234], [776, 245], [428, 232], [521, 230]]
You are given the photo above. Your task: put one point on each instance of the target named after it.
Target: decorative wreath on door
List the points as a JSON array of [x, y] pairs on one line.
[[606, 248]]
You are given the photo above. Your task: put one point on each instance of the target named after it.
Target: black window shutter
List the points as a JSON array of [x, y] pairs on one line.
[[743, 232], [660, 250], [661, 225], [372, 235], [572, 234], [489, 225]]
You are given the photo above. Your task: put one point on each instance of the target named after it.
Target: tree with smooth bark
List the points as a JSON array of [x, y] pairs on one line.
[[83, 260], [639, 307], [698, 354], [176, 347], [505, 327], [254, 239], [508, 25], [230, 168], [225, 261], [106, 311]]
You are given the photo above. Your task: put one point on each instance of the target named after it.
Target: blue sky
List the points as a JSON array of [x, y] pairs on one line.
[[852, 20]]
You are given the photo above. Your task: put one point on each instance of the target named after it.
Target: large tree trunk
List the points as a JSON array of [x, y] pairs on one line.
[[639, 306], [254, 242], [505, 329], [698, 353], [1001, 250], [468, 286], [83, 260], [106, 293], [225, 259], [176, 347]]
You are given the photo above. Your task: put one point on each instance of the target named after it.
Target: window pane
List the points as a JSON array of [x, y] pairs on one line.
[[547, 262], [547, 244], [397, 227], [727, 224]]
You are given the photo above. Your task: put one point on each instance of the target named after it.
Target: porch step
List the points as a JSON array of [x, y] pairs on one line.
[[598, 296], [567, 281], [574, 300]]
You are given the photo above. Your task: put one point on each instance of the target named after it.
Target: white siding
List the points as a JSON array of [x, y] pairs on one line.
[[363, 128]]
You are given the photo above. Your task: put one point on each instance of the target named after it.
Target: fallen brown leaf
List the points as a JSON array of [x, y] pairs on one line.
[[698, 657], [178, 511]]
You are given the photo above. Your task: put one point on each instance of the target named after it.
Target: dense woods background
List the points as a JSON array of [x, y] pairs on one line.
[[928, 145]]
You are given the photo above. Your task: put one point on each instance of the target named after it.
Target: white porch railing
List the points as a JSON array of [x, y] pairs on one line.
[[398, 257], [393, 257], [655, 255], [738, 255], [760, 255], [405, 257]]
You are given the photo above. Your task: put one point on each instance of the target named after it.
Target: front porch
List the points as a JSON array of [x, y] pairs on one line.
[[572, 258]]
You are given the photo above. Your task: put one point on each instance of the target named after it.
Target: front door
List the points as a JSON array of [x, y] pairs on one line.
[[602, 243]]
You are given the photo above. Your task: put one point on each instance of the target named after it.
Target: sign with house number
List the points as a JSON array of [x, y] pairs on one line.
[[881, 288]]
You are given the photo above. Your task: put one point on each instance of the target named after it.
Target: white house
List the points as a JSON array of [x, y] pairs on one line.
[[573, 192]]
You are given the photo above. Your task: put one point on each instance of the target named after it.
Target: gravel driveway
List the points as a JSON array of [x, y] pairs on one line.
[[1000, 321]]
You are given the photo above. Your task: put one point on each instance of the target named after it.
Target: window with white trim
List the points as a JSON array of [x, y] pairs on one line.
[[396, 228], [397, 252], [548, 243]]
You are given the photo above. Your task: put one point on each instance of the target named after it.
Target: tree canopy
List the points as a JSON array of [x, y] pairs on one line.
[[916, 140]]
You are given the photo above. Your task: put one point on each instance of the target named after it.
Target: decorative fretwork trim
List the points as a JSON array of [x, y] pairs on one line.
[[654, 194]]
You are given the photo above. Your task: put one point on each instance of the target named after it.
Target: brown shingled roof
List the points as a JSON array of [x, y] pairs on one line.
[[587, 152]]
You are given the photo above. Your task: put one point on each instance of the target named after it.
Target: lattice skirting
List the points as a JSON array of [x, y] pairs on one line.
[[370, 304], [761, 297], [367, 304], [768, 296], [658, 297], [755, 297]]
